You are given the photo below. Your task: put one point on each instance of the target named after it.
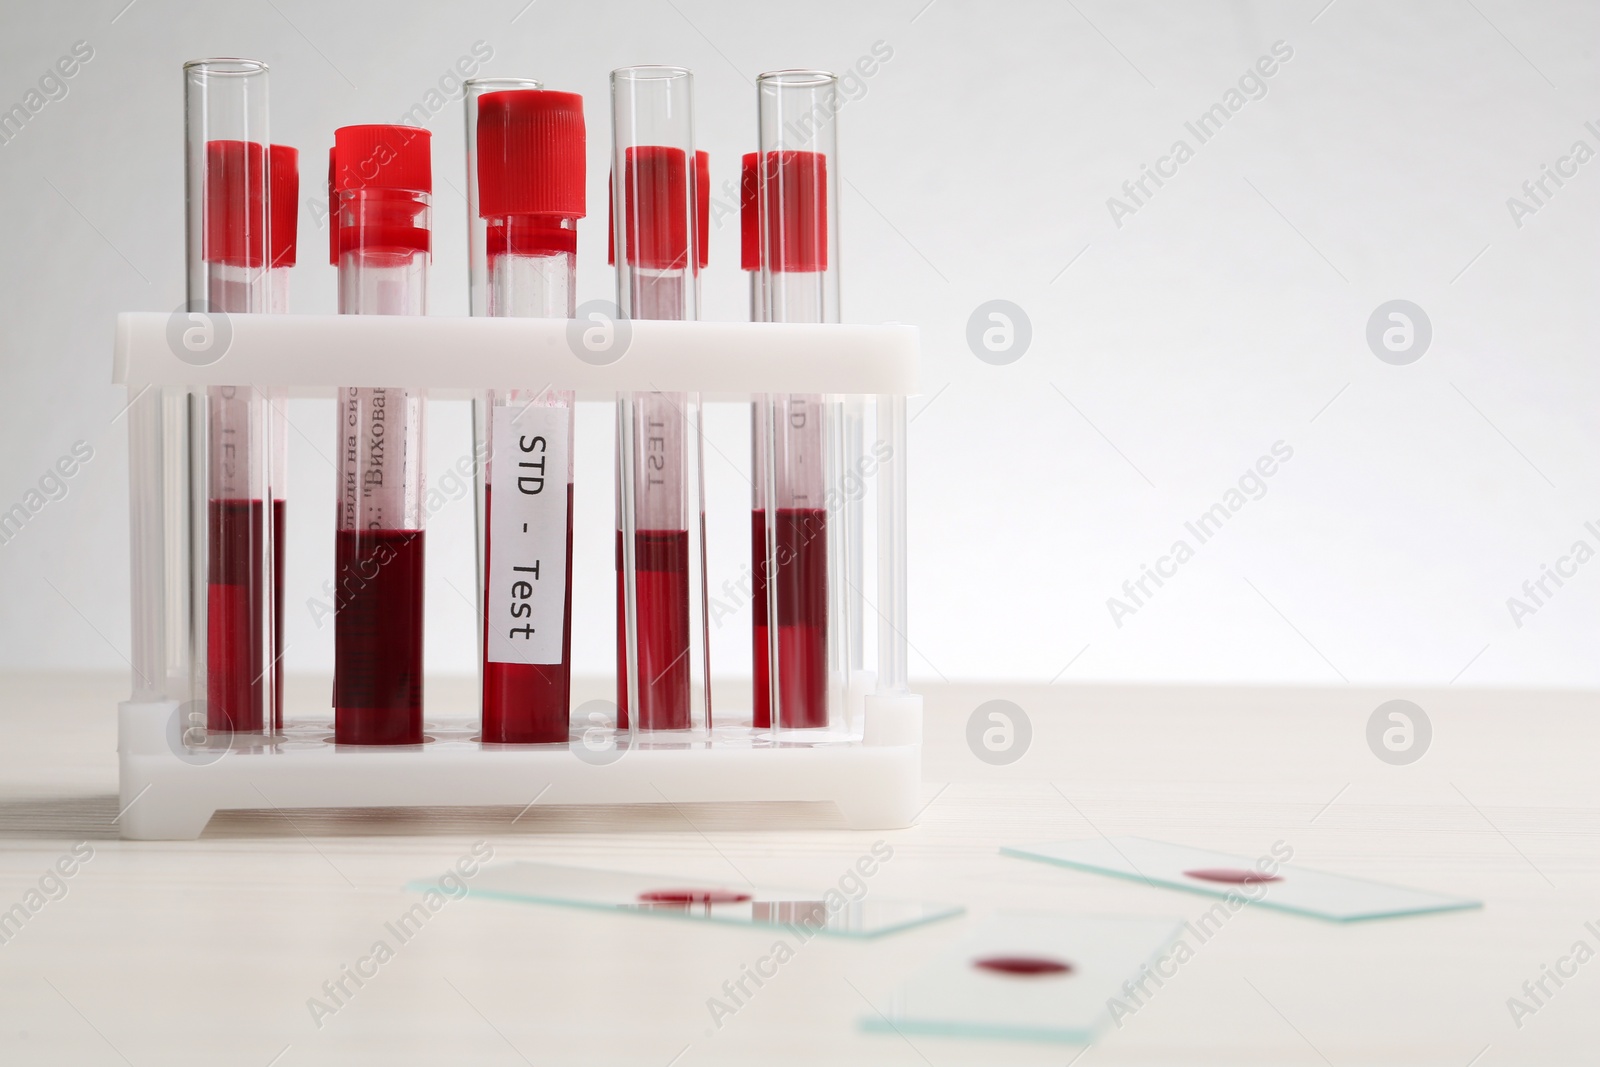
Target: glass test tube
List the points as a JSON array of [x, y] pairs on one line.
[[225, 110], [283, 218], [382, 182], [526, 172], [656, 176], [750, 263], [477, 225], [796, 194]]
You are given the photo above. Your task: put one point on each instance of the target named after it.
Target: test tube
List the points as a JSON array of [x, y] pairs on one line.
[[283, 218], [750, 263], [333, 211], [657, 236], [526, 168], [796, 179], [477, 225], [382, 180], [225, 110]]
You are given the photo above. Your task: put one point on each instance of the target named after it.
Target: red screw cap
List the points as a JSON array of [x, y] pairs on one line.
[[388, 170], [702, 204], [530, 154], [797, 210], [656, 224], [383, 157], [749, 217], [283, 171], [235, 204], [656, 213], [530, 169]]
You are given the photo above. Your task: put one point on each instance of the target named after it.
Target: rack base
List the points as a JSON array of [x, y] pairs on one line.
[[170, 790]]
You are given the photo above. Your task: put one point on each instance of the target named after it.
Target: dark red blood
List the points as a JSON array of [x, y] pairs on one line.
[[761, 651], [235, 607], [801, 587], [279, 525], [377, 643], [801, 584], [661, 561], [529, 703]]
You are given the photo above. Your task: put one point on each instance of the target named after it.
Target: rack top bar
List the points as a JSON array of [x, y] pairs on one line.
[[315, 353]]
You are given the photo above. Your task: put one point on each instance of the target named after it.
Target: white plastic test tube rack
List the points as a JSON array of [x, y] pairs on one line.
[[173, 779]]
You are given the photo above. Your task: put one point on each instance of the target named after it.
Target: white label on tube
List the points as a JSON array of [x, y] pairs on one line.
[[527, 533]]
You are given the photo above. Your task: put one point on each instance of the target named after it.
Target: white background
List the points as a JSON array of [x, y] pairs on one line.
[[1227, 314]]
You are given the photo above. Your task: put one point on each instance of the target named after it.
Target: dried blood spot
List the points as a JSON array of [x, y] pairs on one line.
[[1232, 876], [1023, 966], [693, 896]]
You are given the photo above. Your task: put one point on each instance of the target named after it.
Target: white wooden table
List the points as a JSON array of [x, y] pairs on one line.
[[208, 952]]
